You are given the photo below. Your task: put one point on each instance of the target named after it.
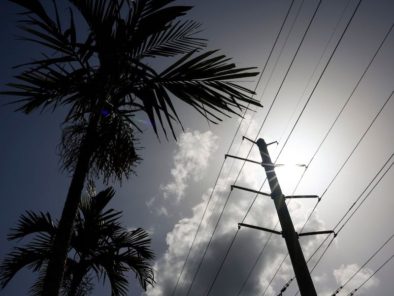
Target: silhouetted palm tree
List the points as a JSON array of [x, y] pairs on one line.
[[99, 245], [103, 75]]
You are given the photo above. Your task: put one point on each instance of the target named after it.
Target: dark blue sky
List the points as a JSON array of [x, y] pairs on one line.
[[31, 178]]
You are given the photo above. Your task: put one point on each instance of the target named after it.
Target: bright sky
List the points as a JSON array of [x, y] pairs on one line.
[[175, 181]]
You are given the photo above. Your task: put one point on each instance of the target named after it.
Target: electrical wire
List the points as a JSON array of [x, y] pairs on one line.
[[349, 156], [348, 211], [280, 87], [231, 144], [317, 83], [331, 127], [311, 94], [272, 71], [375, 272], [302, 110], [365, 263], [345, 105], [356, 209], [304, 91], [238, 130]]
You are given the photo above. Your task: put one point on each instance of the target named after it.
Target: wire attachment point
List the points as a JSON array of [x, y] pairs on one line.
[[274, 142], [250, 140]]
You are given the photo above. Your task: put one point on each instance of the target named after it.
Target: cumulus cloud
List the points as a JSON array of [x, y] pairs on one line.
[[245, 249], [190, 162], [345, 272], [189, 165]]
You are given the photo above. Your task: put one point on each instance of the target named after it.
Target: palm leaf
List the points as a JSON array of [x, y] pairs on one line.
[[19, 258], [100, 244], [108, 267], [31, 223], [176, 39], [37, 288], [49, 86], [204, 82], [46, 31]]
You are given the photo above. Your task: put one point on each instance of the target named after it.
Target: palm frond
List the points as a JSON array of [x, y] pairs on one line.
[[147, 17], [47, 32], [204, 82], [150, 28], [101, 200], [99, 244], [37, 288], [31, 223], [99, 14], [115, 154], [136, 241], [176, 39], [50, 86], [19, 258], [143, 271], [106, 266]]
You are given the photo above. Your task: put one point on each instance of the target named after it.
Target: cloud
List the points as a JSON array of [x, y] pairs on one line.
[[345, 272], [190, 162], [245, 250]]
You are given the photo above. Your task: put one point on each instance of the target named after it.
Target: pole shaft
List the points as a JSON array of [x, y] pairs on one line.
[[304, 280]]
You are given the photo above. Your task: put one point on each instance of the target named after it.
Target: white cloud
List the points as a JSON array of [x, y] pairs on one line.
[[244, 251], [190, 162], [345, 272]]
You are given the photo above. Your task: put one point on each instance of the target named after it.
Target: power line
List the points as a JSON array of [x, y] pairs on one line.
[[359, 205], [272, 72], [287, 14], [365, 263], [348, 211], [331, 127], [346, 103], [315, 87], [231, 144], [316, 67], [311, 94], [320, 77], [280, 87], [304, 107], [349, 156], [376, 271], [317, 83], [292, 26], [350, 208], [309, 80]]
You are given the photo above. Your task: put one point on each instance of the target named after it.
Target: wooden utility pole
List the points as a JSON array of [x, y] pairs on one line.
[[300, 267]]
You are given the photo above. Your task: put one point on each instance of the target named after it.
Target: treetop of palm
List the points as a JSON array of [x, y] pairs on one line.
[[105, 72], [100, 244]]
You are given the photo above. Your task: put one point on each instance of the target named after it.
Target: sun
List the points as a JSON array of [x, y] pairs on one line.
[[289, 171]]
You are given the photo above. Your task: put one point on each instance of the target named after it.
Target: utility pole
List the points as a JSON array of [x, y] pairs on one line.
[[300, 267], [304, 280]]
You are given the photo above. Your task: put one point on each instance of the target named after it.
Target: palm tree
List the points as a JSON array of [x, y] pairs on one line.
[[104, 77], [99, 245]]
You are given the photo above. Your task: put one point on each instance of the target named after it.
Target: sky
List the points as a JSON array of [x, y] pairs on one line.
[[176, 179]]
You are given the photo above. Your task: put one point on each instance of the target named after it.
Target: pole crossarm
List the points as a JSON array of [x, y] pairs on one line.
[[250, 190], [250, 140], [317, 232], [302, 196], [240, 158], [259, 228], [258, 162]]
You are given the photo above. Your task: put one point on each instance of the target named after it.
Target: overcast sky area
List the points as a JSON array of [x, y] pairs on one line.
[[350, 161]]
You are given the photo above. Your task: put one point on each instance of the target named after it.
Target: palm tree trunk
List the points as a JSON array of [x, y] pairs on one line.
[[54, 274]]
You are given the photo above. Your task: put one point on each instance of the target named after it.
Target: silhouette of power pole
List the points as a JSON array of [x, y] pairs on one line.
[[300, 267], [297, 258]]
